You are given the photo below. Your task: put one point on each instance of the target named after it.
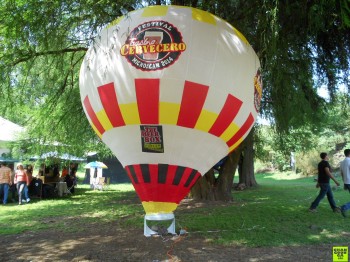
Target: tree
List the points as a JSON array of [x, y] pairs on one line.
[[210, 187], [246, 163], [301, 45]]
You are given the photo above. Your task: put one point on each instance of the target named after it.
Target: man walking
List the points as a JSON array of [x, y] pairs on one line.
[[345, 173], [5, 181], [324, 175]]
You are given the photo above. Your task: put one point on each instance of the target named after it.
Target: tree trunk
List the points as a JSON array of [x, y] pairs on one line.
[[246, 163], [226, 176], [204, 187], [208, 187]]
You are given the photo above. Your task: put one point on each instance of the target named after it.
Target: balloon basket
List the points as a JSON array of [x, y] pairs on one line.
[[159, 230]]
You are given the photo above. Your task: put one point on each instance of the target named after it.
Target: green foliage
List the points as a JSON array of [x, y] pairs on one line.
[[42, 44], [275, 148], [345, 12], [298, 40], [262, 142], [337, 123], [306, 162], [42, 47], [307, 141]]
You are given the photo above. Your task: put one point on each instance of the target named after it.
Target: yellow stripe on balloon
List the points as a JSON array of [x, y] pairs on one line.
[[227, 134], [104, 120], [159, 207], [95, 129], [206, 120], [168, 113], [241, 36], [115, 22], [130, 113], [203, 16], [235, 145], [155, 11]]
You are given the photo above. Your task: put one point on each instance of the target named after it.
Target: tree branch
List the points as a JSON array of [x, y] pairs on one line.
[[55, 52]]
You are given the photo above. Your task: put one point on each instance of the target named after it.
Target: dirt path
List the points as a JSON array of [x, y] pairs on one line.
[[108, 242]]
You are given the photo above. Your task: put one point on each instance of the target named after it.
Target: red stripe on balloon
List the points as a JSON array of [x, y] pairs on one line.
[[92, 115], [186, 174], [192, 179], [147, 95], [153, 170], [193, 99], [131, 173], [152, 189], [138, 183], [161, 192], [145, 178], [110, 103], [138, 173], [244, 128], [171, 174], [226, 116]]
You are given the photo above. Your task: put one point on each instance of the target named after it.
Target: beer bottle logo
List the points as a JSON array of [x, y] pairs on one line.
[[153, 45]]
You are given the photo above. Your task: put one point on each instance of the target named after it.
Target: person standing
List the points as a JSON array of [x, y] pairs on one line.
[[71, 179], [27, 187], [13, 188], [21, 180], [324, 176], [64, 172], [345, 173], [5, 181]]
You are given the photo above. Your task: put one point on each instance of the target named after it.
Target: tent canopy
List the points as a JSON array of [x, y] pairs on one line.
[[9, 130], [55, 154], [8, 160]]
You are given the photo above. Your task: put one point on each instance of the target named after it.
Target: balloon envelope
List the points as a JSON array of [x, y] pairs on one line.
[[171, 90]]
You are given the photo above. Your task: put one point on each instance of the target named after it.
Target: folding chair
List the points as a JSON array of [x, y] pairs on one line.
[[101, 183], [71, 183], [69, 189], [62, 189], [108, 182]]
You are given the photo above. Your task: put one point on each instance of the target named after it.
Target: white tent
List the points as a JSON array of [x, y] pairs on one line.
[[8, 133], [9, 130], [55, 154]]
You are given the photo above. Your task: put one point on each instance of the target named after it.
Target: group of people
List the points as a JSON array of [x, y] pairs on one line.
[[22, 182], [18, 181], [323, 182]]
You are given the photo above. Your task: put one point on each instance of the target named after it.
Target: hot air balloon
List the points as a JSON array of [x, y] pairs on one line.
[[170, 90]]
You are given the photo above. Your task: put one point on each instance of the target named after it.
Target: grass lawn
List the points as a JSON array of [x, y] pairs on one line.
[[273, 214]]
